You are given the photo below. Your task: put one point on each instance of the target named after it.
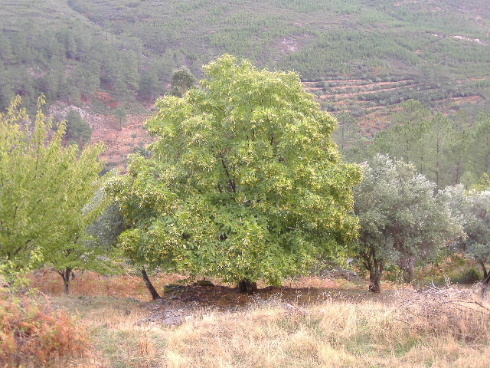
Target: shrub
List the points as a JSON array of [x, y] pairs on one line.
[[34, 334], [469, 276]]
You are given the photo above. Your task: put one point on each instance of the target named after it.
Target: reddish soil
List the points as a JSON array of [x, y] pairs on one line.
[[126, 138], [121, 140]]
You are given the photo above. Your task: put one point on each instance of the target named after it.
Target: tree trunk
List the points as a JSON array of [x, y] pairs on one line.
[[484, 269], [484, 287], [374, 265], [375, 274], [487, 280], [247, 286], [66, 274], [408, 266], [149, 285]]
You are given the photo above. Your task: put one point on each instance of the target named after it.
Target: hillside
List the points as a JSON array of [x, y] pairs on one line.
[[359, 56]]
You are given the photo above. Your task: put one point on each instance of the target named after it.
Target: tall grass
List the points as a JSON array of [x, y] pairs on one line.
[[440, 327], [335, 335]]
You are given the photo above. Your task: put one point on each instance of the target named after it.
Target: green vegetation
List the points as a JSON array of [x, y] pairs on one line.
[[448, 150], [402, 222], [69, 50], [77, 129], [473, 211], [182, 81], [245, 182], [47, 195]]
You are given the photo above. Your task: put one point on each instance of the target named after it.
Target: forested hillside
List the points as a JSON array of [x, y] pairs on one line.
[[72, 50], [361, 58], [326, 145]]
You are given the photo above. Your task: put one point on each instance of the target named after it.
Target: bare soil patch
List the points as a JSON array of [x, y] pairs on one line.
[[181, 303]]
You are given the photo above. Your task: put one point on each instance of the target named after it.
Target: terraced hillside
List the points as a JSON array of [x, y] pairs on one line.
[[370, 100], [131, 47]]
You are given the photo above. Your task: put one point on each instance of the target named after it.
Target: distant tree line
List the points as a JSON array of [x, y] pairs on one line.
[[448, 150], [134, 47]]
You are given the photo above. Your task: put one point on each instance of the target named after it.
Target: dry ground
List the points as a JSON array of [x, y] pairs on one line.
[[334, 324]]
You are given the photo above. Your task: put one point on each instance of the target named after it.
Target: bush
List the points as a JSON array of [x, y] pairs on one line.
[[34, 334], [469, 276]]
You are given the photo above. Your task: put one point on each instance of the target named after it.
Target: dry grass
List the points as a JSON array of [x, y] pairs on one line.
[[400, 328], [331, 335], [124, 342], [120, 337], [92, 283], [320, 282]]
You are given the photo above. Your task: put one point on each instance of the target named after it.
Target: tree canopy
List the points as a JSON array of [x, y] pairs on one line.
[[45, 192], [402, 221], [473, 211], [244, 181]]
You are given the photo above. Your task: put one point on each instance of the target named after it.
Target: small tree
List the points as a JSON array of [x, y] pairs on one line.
[[120, 116], [244, 183], [45, 190], [402, 221], [473, 211], [182, 81], [89, 244], [77, 129]]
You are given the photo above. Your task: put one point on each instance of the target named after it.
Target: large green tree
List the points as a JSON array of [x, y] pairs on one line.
[[244, 181], [403, 222], [46, 190]]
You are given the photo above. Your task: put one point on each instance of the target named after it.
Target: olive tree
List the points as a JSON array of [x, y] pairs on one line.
[[244, 181], [402, 221], [473, 211]]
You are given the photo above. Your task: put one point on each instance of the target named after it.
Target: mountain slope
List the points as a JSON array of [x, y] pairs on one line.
[[436, 40], [359, 56]]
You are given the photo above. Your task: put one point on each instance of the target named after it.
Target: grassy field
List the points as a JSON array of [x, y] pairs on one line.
[[439, 327]]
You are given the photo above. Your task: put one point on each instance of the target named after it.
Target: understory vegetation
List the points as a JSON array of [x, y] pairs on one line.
[[440, 327], [36, 333]]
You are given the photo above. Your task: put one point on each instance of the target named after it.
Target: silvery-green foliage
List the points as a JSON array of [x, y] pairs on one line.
[[403, 222], [472, 208]]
